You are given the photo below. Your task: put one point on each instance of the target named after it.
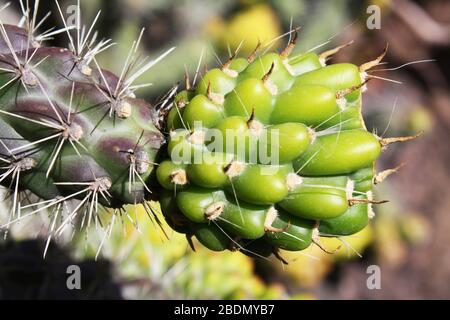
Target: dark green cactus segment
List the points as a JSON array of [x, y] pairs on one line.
[[296, 233], [173, 216], [82, 126], [352, 221], [363, 179], [292, 151], [195, 202], [258, 248], [211, 236], [40, 185], [317, 198], [244, 220]]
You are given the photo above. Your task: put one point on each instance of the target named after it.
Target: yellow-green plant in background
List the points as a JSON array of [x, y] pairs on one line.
[[151, 265]]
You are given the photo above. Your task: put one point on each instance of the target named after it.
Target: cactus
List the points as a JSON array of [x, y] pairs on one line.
[[69, 129], [268, 152], [271, 152]]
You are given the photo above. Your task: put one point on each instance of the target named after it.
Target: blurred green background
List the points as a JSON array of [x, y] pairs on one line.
[[410, 235]]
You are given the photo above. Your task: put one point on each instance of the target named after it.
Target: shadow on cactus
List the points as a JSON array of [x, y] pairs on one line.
[[75, 139]]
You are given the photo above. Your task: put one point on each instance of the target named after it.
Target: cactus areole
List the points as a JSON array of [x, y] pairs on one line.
[[266, 152]]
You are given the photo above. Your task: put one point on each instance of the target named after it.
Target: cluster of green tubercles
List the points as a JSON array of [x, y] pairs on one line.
[[316, 173]]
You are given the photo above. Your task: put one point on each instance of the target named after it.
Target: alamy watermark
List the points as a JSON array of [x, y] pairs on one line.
[[73, 281], [373, 281], [73, 16], [374, 19]]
